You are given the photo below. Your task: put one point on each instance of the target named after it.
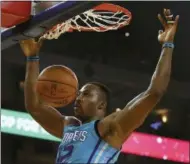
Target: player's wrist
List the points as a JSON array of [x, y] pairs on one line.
[[32, 58], [168, 45]]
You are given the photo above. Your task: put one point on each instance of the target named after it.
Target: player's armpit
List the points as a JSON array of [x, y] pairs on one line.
[[49, 118]]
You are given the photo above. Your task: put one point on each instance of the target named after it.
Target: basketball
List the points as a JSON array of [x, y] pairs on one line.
[[57, 85]]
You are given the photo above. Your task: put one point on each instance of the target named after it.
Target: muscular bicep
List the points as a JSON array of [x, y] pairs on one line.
[[49, 118], [135, 112]]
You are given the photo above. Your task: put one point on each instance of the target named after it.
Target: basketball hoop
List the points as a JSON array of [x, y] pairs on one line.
[[101, 18]]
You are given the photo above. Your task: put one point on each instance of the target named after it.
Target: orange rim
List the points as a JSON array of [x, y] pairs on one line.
[[108, 7], [105, 7]]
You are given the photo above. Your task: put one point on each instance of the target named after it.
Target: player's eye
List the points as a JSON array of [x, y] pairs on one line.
[[86, 94]]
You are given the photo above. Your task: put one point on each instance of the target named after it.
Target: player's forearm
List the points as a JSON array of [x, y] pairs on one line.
[[161, 76], [32, 72]]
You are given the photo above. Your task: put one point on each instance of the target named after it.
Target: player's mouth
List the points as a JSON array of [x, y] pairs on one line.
[[77, 106], [77, 110]]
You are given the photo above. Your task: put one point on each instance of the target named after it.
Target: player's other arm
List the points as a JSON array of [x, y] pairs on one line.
[[48, 117], [135, 112]]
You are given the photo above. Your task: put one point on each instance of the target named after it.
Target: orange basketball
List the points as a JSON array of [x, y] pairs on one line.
[[57, 85]]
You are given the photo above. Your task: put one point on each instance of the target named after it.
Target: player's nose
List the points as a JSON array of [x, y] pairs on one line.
[[77, 103], [78, 99]]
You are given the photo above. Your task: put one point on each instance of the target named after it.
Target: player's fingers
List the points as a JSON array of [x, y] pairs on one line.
[[28, 41], [167, 12], [176, 20], [169, 17], [164, 12], [22, 43], [162, 21], [40, 41]]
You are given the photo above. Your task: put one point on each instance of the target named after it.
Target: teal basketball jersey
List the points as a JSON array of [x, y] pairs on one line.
[[82, 144]]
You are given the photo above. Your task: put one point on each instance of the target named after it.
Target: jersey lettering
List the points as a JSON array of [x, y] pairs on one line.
[[75, 136], [83, 137], [81, 144]]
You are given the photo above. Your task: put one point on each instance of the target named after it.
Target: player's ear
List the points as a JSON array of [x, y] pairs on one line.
[[101, 109], [102, 106]]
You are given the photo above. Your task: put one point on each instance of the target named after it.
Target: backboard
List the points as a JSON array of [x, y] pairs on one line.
[[43, 18]]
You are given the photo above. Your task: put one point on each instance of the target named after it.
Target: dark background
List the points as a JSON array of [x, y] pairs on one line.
[[124, 64]]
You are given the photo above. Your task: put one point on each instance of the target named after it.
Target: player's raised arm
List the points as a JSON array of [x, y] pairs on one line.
[[135, 112], [133, 115], [48, 117]]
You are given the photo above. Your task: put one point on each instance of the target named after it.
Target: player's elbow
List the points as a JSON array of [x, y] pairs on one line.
[[159, 85], [32, 104], [31, 107], [157, 91], [157, 94]]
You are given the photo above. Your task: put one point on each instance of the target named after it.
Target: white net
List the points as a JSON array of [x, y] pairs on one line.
[[91, 20]]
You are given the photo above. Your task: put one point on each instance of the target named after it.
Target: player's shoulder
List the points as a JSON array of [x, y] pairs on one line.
[[71, 120]]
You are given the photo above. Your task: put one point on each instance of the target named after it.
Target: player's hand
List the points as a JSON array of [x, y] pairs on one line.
[[30, 47], [170, 26]]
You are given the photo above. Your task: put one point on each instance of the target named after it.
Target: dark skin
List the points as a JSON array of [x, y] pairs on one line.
[[91, 103]]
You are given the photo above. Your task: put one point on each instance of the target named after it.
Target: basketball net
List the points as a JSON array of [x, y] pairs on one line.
[[102, 18]]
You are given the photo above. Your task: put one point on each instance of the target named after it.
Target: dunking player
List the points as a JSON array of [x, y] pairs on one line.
[[89, 137]]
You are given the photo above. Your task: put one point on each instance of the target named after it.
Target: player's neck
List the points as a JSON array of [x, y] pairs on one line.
[[89, 120]]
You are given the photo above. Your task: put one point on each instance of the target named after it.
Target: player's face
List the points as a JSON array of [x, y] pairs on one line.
[[87, 103]]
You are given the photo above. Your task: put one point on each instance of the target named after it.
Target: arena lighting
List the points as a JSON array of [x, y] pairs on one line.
[[164, 118], [163, 114], [20, 123], [156, 125]]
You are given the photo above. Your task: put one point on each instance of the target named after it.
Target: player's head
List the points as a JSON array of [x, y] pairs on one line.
[[92, 101]]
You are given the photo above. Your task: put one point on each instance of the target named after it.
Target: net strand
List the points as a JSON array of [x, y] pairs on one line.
[[104, 21]]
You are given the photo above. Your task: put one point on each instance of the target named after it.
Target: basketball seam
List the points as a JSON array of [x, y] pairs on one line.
[[70, 71], [57, 82], [66, 70], [54, 98]]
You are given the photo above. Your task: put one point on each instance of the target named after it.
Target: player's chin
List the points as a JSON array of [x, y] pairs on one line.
[[80, 115], [78, 111]]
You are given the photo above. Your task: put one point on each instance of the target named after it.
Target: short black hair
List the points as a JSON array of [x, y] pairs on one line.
[[105, 90]]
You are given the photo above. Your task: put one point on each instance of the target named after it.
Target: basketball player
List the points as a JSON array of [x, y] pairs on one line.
[[89, 137]]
